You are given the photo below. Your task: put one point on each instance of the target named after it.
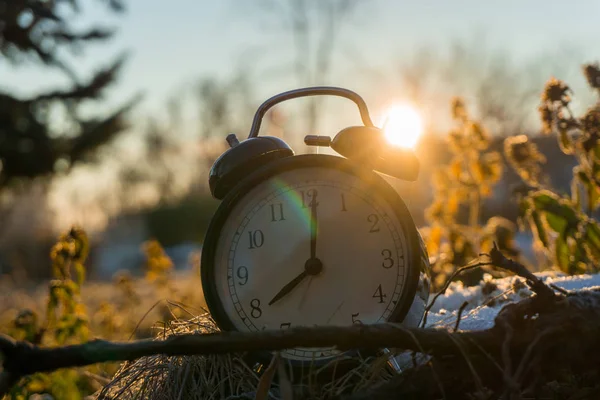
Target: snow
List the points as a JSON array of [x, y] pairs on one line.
[[488, 298], [484, 303]]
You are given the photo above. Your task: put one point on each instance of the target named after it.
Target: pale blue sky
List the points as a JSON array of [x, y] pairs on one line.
[[172, 41], [175, 42]]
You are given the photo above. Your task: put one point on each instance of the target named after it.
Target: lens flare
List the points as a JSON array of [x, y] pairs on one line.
[[402, 125]]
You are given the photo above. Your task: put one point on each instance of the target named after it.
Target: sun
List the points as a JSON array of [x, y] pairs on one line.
[[402, 125]]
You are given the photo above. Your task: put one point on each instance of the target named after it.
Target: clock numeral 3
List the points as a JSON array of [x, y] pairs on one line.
[[379, 294], [242, 273], [256, 311], [311, 194], [257, 239], [277, 212], [388, 261], [374, 220], [355, 320]]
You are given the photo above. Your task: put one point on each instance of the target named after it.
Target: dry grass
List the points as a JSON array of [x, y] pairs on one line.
[[226, 376], [148, 307]]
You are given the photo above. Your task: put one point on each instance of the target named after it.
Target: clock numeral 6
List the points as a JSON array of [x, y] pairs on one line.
[[256, 311], [388, 261], [242, 273], [379, 294], [257, 239], [285, 325], [374, 220], [355, 320]]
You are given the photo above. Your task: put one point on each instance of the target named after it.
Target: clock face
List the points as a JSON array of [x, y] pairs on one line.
[[310, 246]]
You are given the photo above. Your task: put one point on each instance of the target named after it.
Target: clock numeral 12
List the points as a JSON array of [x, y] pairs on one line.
[[343, 202], [257, 238], [312, 194], [379, 294], [277, 212]]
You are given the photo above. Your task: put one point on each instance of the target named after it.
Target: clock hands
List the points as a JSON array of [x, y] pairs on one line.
[[313, 226], [313, 265], [288, 288]]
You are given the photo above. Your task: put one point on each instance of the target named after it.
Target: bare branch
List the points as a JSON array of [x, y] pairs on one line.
[[21, 358], [537, 286]]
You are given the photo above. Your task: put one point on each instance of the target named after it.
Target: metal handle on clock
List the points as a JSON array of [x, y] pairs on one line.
[[310, 91]]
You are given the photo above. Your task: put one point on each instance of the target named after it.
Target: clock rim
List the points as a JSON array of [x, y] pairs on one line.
[[240, 190]]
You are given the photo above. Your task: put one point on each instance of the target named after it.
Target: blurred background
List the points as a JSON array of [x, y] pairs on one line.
[[113, 111]]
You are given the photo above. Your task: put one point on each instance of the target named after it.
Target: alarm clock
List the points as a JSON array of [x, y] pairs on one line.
[[313, 239]]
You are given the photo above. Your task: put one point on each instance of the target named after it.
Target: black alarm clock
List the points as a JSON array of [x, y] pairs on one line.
[[313, 239]]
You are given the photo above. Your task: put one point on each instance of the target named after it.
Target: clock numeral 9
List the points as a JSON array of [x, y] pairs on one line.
[[379, 294], [388, 261], [311, 194], [257, 239], [256, 311], [242, 273], [374, 220]]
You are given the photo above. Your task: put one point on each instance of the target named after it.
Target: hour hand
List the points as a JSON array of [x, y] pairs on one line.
[[289, 287], [313, 266]]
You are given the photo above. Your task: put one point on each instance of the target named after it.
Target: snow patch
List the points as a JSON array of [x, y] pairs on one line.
[[487, 299]]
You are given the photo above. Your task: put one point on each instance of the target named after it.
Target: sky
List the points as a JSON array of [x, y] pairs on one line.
[[172, 44]]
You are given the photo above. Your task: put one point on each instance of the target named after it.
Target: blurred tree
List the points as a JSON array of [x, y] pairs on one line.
[[314, 28], [38, 31], [504, 93]]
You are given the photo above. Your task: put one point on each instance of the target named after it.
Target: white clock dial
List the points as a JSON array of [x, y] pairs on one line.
[[265, 244]]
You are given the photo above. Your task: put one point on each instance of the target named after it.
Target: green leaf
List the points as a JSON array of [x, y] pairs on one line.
[[544, 199], [80, 273], [556, 222], [565, 142], [560, 215], [540, 229], [562, 254], [593, 233], [582, 176], [591, 237]]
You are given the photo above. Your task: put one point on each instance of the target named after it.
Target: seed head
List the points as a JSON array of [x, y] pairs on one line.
[[556, 91], [592, 74]]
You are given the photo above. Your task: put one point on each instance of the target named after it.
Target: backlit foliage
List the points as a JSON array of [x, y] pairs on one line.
[[66, 320], [158, 264], [118, 314], [455, 235], [563, 224]]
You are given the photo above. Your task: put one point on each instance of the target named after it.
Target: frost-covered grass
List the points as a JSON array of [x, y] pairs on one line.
[[487, 299]]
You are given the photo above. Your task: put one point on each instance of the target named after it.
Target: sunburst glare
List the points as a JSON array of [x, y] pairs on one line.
[[402, 125]]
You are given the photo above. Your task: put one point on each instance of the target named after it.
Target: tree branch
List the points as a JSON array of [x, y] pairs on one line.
[[22, 358]]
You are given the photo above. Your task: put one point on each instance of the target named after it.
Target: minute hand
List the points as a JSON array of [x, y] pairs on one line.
[[313, 226]]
